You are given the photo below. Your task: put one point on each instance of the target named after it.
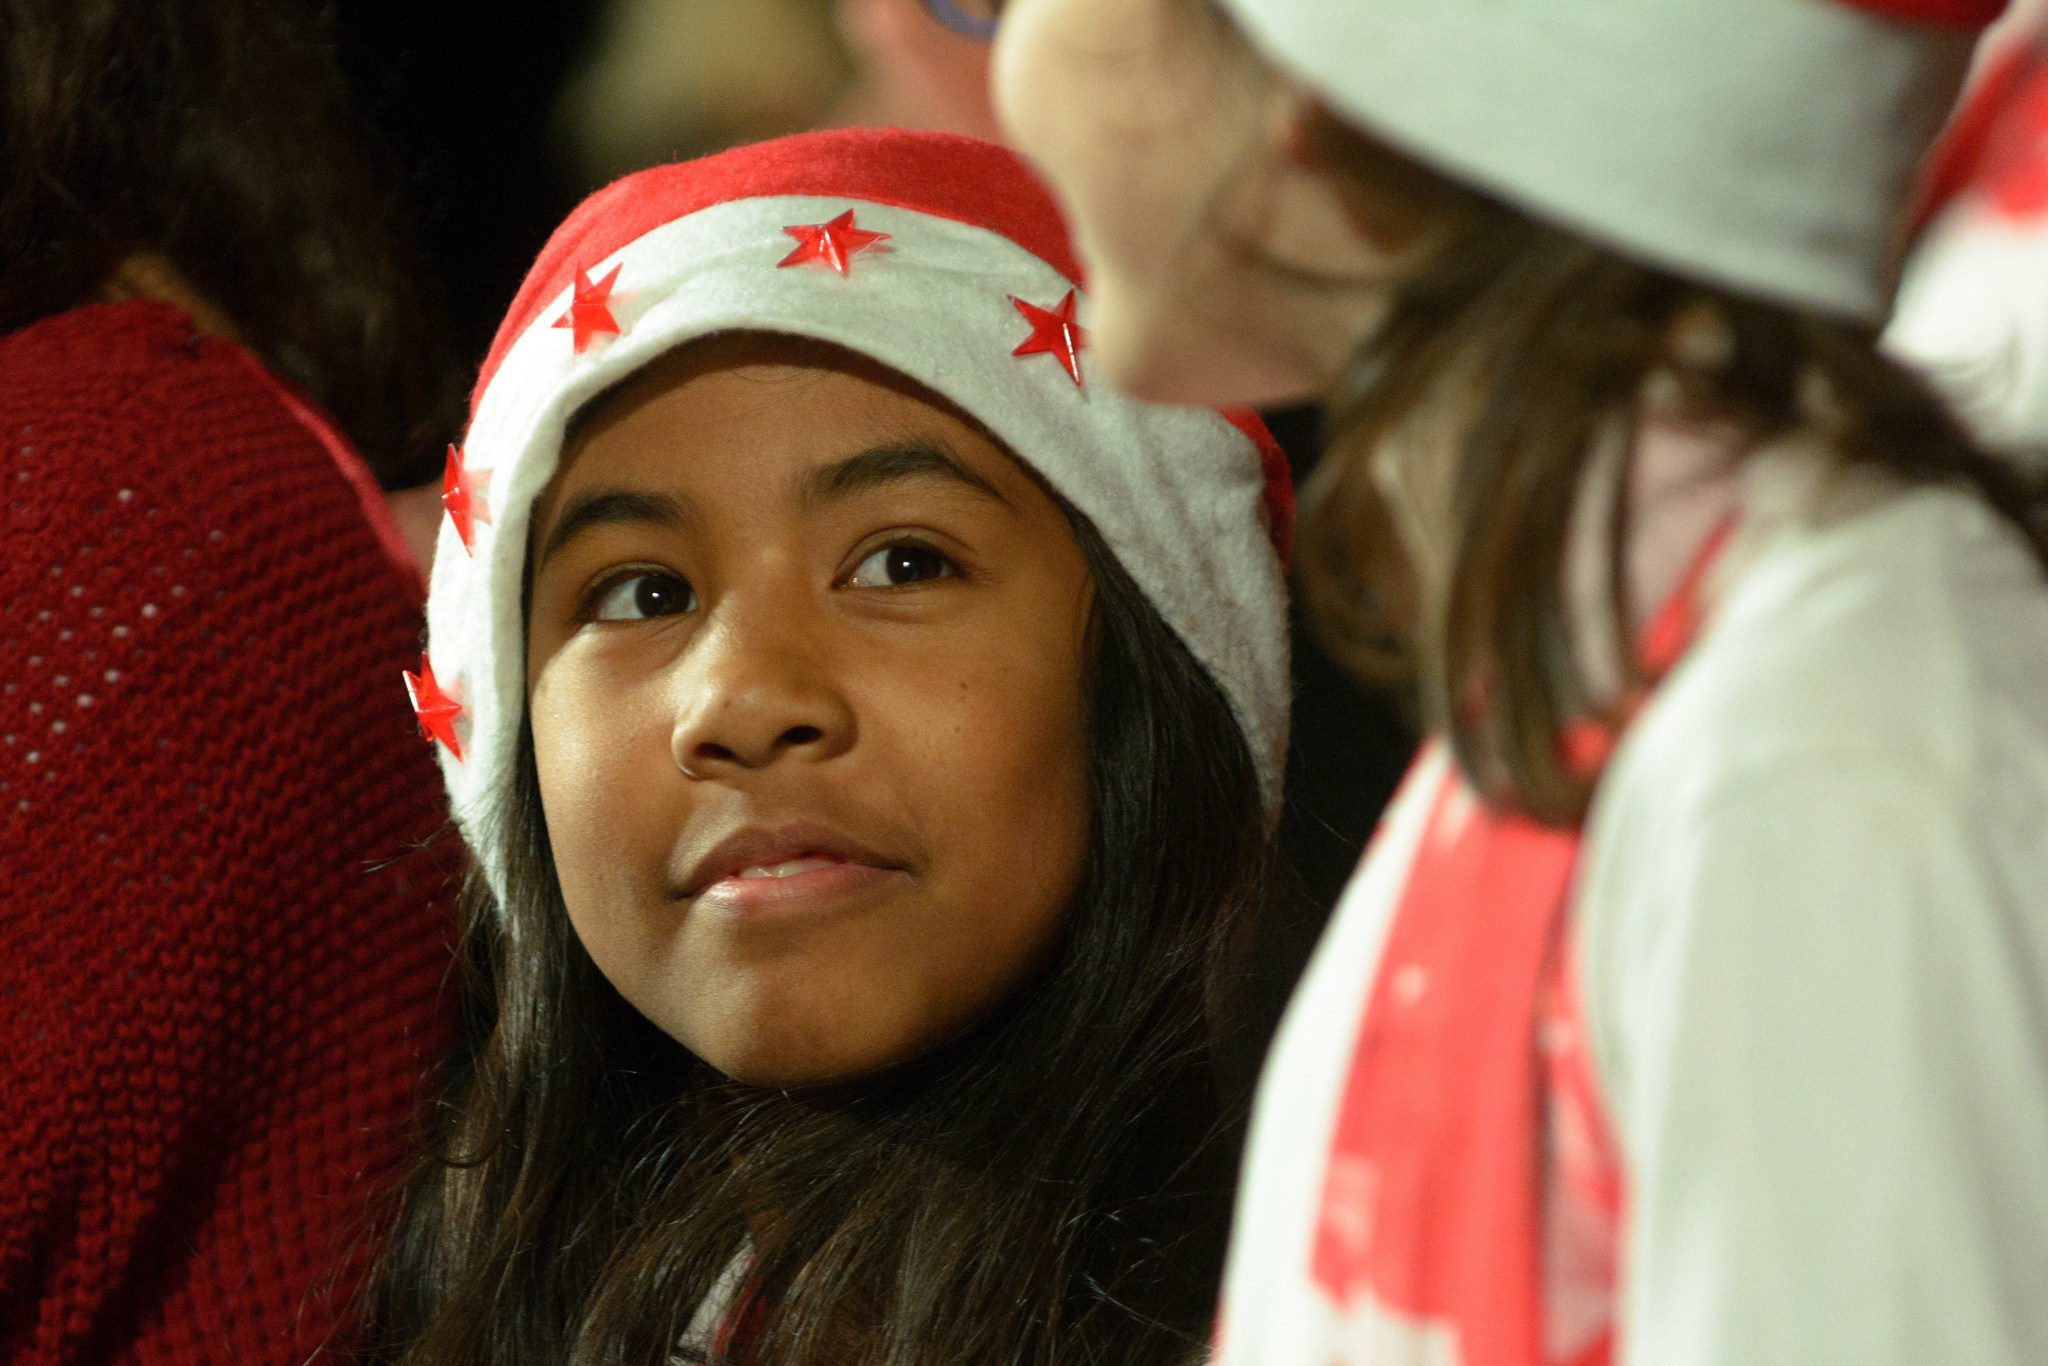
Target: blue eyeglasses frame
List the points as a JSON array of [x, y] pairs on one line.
[[966, 25]]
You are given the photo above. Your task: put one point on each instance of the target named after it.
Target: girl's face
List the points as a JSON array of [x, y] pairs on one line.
[[804, 669], [1221, 270]]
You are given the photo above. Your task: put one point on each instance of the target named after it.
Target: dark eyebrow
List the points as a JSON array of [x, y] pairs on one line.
[[879, 466], [610, 507]]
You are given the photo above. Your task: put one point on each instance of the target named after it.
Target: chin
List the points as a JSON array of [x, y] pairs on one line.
[[783, 1063], [774, 1075], [1211, 380]]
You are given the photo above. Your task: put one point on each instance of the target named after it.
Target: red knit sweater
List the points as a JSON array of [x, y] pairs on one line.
[[219, 956]]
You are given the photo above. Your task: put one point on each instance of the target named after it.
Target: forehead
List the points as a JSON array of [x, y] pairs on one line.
[[780, 426], [770, 394]]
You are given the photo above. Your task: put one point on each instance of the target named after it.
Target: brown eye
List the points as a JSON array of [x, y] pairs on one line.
[[645, 595], [894, 566]]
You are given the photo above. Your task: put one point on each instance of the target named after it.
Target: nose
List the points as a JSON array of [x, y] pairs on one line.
[[751, 694]]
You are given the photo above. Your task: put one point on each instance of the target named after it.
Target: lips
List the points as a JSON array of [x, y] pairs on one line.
[[754, 854], [809, 863]]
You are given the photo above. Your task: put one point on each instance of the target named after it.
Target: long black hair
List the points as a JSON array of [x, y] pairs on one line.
[[1559, 336], [1054, 1187], [220, 134]]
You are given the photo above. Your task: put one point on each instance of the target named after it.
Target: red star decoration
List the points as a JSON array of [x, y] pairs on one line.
[[590, 311], [833, 243], [462, 493], [437, 710], [1053, 332]]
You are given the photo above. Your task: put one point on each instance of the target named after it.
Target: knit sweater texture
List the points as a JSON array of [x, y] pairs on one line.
[[222, 944]]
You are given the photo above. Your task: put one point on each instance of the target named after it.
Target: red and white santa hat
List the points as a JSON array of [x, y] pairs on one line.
[[1973, 308], [938, 256], [1765, 145]]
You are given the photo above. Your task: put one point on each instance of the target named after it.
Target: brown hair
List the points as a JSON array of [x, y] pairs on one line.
[[219, 134], [1517, 343]]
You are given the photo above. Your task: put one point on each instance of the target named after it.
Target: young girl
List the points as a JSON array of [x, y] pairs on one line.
[[866, 726], [1595, 289]]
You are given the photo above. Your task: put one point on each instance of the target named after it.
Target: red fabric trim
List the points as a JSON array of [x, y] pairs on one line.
[[1951, 13], [1584, 1195], [1959, 153], [1586, 741], [1430, 1197], [941, 174], [1432, 1201], [2014, 174], [1678, 619]]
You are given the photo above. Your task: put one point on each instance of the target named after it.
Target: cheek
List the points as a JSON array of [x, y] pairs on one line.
[[601, 780], [1007, 777], [974, 755], [1000, 785]]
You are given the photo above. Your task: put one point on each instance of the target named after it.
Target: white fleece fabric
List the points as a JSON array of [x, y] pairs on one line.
[[1973, 314], [1764, 144], [1813, 912], [1812, 909]]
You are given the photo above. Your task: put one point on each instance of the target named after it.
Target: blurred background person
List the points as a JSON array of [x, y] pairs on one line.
[[919, 65], [1596, 291], [219, 954], [669, 80]]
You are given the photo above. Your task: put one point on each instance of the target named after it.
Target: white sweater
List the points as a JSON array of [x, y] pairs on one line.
[[1813, 912], [1813, 909]]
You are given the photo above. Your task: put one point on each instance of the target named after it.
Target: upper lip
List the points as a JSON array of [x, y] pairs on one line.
[[754, 847]]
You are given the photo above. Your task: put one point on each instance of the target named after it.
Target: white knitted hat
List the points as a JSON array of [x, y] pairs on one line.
[[941, 258], [1765, 145]]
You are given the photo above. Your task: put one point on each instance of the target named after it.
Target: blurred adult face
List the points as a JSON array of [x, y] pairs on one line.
[[912, 72], [804, 670], [1222, 270]]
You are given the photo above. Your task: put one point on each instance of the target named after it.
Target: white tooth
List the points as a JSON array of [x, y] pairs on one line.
[[788, 868]]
